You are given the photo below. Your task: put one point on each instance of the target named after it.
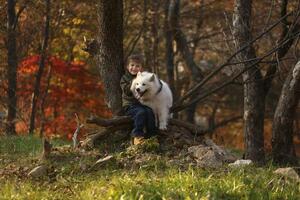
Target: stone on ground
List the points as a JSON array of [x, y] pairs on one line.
[[241, 163], [287, 172]]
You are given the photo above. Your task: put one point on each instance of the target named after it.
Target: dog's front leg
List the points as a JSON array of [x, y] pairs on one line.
[[163, 119]]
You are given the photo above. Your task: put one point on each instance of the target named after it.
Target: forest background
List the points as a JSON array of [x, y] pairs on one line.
[[70, 83]]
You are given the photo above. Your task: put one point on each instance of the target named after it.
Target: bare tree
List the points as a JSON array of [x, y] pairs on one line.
[[181, 41], [282, 134], [288, 31], [110, 52], [12, 62], [254, 96], [154, 30], [169, 49], [39, 74]]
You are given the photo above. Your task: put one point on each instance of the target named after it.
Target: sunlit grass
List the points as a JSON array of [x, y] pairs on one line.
[[26, 145], [157, 181]]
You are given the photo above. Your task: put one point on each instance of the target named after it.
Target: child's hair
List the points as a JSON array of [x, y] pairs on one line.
[[135, 57]]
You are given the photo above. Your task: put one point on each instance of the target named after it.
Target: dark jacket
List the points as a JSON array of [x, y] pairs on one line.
[[127, 96]]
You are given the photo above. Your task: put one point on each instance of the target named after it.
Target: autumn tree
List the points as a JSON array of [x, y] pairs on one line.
[[253, 85], [110, 53], [282, 134], [181, 41], [12, 63], [36, 92]]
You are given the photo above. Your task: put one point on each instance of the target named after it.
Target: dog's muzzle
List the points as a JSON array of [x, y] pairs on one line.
[[141, 93]]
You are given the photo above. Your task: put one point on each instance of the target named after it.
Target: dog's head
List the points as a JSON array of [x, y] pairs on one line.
[[144, 84]]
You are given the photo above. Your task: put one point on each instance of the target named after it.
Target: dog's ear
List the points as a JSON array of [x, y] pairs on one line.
[[152, 78], [139, 73]]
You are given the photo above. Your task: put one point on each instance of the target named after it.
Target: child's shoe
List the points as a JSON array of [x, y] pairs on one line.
[[138, 140]]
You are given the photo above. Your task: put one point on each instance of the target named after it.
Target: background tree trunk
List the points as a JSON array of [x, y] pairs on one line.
[[36, 92], [254, 98], [282, 133], [179, 37], [146, 37], [110, 54], [155, 26], [169, 50], [12, 68]]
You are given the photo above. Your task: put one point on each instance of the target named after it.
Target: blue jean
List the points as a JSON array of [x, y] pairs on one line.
[[142, 116]]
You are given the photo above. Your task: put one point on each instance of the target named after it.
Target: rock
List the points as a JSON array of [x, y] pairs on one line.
[[287, 172], [240, 163], [39, 171], [205, 156], [198, 151], [209, 159], [221, 153]]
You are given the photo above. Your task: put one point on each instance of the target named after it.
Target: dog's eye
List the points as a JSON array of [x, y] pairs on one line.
[[137, 83], [144, 84]]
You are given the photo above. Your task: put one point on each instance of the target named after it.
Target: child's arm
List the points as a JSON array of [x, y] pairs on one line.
[[125, 86]]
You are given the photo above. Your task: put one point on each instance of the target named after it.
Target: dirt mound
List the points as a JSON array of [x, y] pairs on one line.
[[177, 146]]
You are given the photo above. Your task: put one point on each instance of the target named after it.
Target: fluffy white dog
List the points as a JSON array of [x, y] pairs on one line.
[[156, 94]]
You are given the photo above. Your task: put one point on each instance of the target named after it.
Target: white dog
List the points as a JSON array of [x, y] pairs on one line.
[[156, 94]]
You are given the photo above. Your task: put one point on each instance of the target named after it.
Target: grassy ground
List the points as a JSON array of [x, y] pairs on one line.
[[156, 179]]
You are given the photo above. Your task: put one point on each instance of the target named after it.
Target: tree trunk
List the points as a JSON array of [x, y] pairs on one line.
[[174, 12], [12, 68], [179, 37], [282, 135], [254, 98], [155, 25], [39, 74], [110, 54], [146, 38], [169, 50], [43, 101]]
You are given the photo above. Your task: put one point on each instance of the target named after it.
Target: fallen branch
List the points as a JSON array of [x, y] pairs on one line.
[[108, 122], [122, 123], [119, 123]]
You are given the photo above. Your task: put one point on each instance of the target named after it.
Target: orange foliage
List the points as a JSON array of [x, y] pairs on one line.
[[72, 89]]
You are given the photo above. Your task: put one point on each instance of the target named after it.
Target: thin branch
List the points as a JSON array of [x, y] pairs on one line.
[[286, 32], [79, 126], [177, 108], [19, 13], [214, 72], [134, 41]]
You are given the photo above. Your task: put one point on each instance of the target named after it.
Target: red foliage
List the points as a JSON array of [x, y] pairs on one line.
[[72, 89]]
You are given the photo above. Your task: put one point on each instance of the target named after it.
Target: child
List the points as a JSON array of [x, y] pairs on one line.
[[142, 115]]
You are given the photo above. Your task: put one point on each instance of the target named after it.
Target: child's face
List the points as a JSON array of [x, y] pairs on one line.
[[134, 67]]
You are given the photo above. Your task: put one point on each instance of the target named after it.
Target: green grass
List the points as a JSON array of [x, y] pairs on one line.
[[26, 145], [158, 180]]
